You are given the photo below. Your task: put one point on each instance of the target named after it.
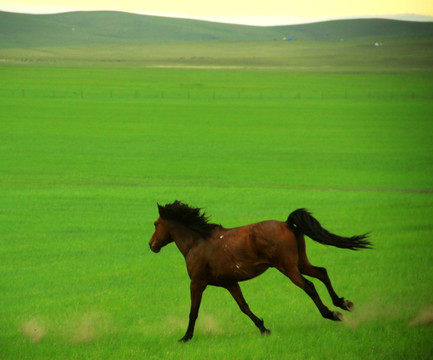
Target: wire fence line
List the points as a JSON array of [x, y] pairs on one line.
[[208, 94]]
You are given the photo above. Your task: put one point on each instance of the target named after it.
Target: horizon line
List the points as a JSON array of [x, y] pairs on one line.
[[260, 20]]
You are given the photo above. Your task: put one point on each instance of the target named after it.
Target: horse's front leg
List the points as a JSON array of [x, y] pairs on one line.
[[196, 295], [236, 292]]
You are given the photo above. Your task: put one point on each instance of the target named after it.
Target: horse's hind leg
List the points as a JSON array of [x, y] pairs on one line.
[[294, 274], [236, 292], [320, 273]]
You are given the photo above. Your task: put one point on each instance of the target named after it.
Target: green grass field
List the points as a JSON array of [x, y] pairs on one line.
[[360, 55], [87, 152]]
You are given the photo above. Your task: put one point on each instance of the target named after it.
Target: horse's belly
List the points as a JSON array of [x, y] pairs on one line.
[[247, 274], [237, 272]]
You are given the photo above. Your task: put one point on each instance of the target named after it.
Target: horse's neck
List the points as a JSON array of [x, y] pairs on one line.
[[184, 238]]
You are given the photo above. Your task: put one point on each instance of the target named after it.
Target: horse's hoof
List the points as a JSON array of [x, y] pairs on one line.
[[185, 339], [348, 305], [265, 332], [336, 316]]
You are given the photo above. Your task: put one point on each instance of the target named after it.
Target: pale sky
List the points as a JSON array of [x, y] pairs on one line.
[[263, 12]]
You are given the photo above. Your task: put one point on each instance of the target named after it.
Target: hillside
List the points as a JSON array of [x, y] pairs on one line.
[[362, 28], [116, 28]]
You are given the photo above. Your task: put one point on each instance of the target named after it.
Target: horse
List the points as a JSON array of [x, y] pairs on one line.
[[223, 257]]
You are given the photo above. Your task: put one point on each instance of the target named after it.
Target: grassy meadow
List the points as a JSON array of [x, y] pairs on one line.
[[398, 54], [87, 150]]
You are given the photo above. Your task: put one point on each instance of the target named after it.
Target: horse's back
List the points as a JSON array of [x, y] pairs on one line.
[[263, 240], [275, 241]]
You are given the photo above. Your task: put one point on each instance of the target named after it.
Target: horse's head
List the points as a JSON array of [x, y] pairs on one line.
[[161, 236]]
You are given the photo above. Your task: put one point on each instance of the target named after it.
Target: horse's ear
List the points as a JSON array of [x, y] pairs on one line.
[[159, 208]]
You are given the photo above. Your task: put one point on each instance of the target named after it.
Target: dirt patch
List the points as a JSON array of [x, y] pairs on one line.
[[85, 332], [34, 330], [174, 324], [424, 317], [208, 324], [85, 328]]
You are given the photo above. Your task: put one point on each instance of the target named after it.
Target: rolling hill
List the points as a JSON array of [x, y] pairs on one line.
[[117, 28]]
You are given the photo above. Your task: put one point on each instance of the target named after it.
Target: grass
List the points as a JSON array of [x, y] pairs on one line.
[[359, 55], [87, 152]]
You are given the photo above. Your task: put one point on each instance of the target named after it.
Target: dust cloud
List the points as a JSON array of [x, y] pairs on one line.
[[375, 311], [34, 330], [87, 328], [77, 329], [424, 317]]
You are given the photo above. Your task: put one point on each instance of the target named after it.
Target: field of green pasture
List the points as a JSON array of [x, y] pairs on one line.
[[360, 55], [86, 153]]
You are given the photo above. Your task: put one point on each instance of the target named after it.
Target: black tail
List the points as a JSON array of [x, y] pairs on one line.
[[301, 221]]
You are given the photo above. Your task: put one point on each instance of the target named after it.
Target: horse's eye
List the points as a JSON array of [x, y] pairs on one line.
[[155, 224]]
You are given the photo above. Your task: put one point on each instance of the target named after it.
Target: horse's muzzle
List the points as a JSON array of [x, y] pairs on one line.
[[155, 249]]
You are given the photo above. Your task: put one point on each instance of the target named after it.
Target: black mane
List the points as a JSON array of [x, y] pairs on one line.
[[192, 218]]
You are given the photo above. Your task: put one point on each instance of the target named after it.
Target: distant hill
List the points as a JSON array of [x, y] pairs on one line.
[[109, 27], [362, 28]]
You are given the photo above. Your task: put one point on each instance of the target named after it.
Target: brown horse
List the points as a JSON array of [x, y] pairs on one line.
[[222, 257]]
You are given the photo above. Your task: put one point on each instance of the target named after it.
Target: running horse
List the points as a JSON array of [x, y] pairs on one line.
[[222, 257]]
